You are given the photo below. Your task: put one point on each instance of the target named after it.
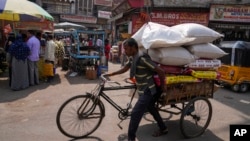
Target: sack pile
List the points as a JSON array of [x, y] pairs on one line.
[[184, 51]]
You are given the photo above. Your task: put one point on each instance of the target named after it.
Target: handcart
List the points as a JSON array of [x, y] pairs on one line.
[[191, 99]]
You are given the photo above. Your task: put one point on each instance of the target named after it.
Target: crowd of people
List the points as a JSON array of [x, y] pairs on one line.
[[33, 56], [27, 54]]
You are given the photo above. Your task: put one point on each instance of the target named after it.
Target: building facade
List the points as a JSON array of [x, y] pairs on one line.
[[90, 13], [229, 17]]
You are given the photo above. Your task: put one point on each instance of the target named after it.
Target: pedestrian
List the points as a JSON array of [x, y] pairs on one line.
[[124, 58], [59, 52], [142, 68], [90, 42], [99, 43], [10, 39], [33, 58], [19, 52], [107, 50], [42, 38], [49, 57]]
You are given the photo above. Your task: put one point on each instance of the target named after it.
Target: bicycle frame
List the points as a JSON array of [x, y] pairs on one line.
[[114, 104], [100, 91]]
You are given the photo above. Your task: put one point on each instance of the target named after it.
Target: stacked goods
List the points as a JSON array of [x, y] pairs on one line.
[[176, 56], [186, 54], [153, 35], [200, 33]]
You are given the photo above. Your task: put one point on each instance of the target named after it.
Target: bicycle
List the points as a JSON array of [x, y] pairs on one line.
[[89, 110]]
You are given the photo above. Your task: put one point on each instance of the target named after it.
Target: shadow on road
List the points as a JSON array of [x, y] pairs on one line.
[[78, 79], [89, 138], [145, 133], [8, 95]]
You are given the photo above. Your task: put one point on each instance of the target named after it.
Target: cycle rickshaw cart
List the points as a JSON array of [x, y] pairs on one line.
[[81, 115], [83, 56]]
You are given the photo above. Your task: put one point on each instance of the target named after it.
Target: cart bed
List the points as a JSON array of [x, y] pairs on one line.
[[183, 92]]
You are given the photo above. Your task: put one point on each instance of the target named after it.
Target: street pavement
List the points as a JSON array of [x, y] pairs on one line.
[[30, 114]]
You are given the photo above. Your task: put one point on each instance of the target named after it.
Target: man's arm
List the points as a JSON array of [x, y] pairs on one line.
[[162, 76], [122, 70]]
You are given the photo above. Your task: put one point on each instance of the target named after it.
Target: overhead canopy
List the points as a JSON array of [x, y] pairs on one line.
[[22, 10], [68, 25], [25, 15]]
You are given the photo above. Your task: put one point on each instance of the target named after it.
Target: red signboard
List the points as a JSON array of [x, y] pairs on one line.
[[34, 25], [172, 18]]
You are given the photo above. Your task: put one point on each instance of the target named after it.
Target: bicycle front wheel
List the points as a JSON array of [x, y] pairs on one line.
[[79, 116]]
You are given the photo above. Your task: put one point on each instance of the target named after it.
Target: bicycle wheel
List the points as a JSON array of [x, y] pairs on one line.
[[195, 117], [76, 124]]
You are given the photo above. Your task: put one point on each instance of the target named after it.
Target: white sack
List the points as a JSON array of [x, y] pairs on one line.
[[207, 50], [201, 33], [176, 56], [153, 35]]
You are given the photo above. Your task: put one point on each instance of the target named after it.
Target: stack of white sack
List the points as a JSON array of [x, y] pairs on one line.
[[184, 51], [205, 52], [180, 45], [154, 35]]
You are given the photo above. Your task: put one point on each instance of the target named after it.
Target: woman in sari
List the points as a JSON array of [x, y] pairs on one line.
[[19, 52]]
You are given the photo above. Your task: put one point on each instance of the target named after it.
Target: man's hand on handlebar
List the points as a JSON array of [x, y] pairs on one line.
[[105, 77]]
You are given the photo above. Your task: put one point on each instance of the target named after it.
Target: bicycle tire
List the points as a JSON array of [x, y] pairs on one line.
[[74, 126], [195, 117]]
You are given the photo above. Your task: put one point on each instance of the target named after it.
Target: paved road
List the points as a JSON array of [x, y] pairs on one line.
[[30, 114]]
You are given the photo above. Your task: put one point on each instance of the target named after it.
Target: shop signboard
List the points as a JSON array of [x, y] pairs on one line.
[[107, 3], [172, 18], [79, 19], [104, 14], [230, 13], [182, 3]]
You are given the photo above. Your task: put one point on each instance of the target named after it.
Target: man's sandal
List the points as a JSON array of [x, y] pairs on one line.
[[160, 133]]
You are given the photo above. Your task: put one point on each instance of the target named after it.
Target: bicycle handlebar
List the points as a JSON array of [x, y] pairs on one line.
[[103, 78], [106, 79]]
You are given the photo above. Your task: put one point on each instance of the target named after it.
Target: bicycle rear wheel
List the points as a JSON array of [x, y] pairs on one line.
[[195, 117], [75, 124]]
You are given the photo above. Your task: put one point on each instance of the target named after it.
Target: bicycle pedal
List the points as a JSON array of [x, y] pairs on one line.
[[129, 106], [120, 125]]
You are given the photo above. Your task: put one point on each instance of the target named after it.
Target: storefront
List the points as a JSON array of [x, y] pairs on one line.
[[128, 16], [231, 20], [132, 22], [171, 18]]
